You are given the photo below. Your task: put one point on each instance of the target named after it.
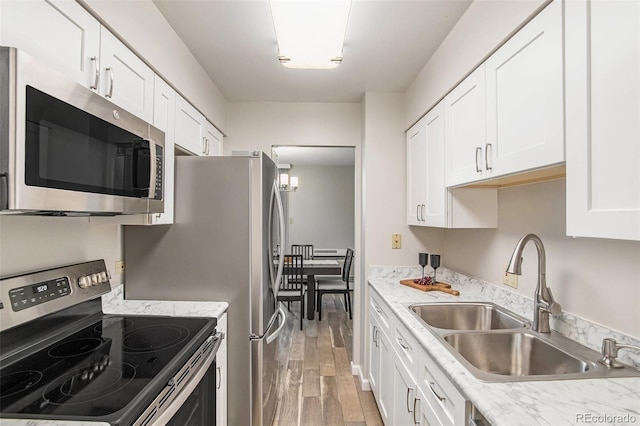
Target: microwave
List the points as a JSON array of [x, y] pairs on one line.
[[66, 150]]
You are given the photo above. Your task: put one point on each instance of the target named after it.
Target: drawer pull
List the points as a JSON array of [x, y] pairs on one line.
[[433, 391], [401, 342]]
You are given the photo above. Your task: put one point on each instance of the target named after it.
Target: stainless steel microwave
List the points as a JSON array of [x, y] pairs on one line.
[[64, 149]]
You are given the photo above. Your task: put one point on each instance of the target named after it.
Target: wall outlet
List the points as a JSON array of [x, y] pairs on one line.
[[510, 279], [396, 241], [119, 266]]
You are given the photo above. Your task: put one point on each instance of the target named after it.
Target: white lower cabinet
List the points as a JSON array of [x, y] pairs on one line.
[[407, 384], [221, 375]]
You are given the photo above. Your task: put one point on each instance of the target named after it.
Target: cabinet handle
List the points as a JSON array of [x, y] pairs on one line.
[[110, 71], [486, 157], [97, 78], [408, 408], [401, 342], [433, 391], [219, 378], [424, 206], [415, 400], [478, 148]]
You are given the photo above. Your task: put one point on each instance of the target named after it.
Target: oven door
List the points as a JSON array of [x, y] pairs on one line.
[[190, 397]]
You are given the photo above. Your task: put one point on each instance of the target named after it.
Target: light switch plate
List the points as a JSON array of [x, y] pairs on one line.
[[119, 266]]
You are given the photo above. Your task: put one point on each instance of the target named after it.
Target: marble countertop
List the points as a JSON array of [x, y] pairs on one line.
[[559, 402], [114, 303]]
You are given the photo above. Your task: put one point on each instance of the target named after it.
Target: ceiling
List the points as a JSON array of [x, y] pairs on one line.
[[387, 43], [315, 155]]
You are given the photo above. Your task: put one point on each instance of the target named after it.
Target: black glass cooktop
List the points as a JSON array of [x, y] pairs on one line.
[[113, 364]]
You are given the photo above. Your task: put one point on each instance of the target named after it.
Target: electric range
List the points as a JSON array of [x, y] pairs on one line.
[[61, 358]]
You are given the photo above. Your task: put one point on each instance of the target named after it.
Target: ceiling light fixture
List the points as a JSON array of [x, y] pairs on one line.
[[310, 33]]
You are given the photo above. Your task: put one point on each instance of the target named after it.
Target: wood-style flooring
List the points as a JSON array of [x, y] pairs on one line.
[[318, 388]]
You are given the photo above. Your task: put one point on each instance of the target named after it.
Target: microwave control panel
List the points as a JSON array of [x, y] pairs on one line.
[[159, 172]]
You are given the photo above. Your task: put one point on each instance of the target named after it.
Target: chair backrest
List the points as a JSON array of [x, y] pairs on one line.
[[292, 277], [346, 269], [306, 250]]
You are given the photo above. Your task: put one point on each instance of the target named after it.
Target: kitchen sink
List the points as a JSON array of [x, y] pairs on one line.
[[497, 345], [515, 354], [468, 316]]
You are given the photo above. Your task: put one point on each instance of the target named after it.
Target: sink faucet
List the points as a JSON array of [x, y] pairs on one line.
[[543, 299]]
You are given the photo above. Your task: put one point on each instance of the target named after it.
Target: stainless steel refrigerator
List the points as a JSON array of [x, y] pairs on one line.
[[223, 246]]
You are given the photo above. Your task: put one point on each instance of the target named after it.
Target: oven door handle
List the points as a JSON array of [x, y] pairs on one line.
[[163, 417]]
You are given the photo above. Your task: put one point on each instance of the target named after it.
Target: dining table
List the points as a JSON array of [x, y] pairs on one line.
[[312, 268]]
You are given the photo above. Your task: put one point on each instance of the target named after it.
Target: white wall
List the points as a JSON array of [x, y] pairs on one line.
[[321, 211], [597, 279], [143, 28]]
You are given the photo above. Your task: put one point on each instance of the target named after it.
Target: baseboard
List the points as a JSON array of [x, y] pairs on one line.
[[356, 370]]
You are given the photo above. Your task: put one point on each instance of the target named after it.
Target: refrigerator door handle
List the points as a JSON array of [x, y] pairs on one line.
[[275, 195], [282, 314], [271, 337]]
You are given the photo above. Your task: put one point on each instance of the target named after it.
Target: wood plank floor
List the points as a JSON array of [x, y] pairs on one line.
[[318, 388]]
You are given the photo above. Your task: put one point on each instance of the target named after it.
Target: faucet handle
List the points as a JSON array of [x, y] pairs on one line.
[[554, 307]]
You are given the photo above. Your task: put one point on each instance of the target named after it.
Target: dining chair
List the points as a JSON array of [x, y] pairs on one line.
[[340, 285], [292, 287], [306, 250]]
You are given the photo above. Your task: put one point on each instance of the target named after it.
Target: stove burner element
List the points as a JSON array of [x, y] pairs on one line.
[[19, 381], [75, 347], [79, 387], [154, 338]]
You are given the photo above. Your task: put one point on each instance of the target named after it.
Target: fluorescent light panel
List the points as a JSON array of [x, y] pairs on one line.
[[310, 33]]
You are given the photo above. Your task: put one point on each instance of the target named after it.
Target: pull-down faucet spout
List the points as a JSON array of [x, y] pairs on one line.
[[544, 304]]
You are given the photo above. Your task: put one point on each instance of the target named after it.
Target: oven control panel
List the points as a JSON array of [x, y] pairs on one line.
[[35, 294], [29, 296]]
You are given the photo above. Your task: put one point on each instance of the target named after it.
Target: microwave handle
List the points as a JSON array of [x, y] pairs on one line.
[[153, 169]]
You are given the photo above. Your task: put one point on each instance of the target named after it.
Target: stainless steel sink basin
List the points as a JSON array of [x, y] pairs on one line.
[[497, 345], [515, 354], [468, 316]]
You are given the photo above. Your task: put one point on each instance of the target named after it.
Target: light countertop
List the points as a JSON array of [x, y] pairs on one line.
[[560, 402], [114, 303]]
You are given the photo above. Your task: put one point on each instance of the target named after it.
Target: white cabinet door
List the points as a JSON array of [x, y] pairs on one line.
[[59, 33], [602, 116], [465, 130], [374, 355], [126, 80], [416, 173], [385, 401], [190, 125], [164, 118], [221, 372], [405, 397], [212, 140], [435, 213], [525, 128]]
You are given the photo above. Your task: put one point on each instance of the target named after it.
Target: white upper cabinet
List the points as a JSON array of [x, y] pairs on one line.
[[212, 140], [416, 172], [506, 117], [164, 118], [465, 130], [190, 127], [59, 33], [65, 36], [429, 201], [126, 80], [525, 98], [603, 119]]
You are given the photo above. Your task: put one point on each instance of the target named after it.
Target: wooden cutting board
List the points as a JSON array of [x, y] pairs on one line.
[[444, 287]]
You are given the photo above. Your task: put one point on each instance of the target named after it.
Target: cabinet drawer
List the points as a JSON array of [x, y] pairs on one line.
[[445, 401], [381, 312], [405, 346]]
